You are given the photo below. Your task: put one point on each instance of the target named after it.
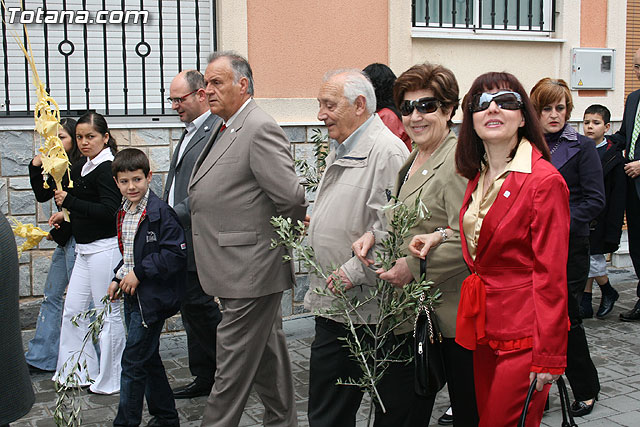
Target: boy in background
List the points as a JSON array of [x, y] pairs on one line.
[[607, 227], [154, 262]]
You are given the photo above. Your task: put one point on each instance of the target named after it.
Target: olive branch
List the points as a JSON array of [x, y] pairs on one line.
[[310, 173], [68, 406]]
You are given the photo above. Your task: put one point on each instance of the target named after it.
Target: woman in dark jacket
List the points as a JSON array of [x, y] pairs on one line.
[[43, 348], [576, 158]]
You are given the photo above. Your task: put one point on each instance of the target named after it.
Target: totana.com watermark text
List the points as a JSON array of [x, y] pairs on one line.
[[42, 16]]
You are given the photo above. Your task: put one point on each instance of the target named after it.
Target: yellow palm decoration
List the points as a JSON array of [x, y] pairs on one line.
[[55, 162], [30, 232]]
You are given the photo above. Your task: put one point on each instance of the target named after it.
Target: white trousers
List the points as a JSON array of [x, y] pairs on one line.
[[92, 274]]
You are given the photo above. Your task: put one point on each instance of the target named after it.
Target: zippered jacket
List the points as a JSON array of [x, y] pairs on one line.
[[348, 203], [160, 260]]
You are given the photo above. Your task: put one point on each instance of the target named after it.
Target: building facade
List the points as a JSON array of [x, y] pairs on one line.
[[123, 68]]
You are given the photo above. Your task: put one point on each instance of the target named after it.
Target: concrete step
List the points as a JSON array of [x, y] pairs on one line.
[[621, 257]]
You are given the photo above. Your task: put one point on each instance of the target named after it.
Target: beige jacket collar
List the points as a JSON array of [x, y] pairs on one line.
[[426, 170]]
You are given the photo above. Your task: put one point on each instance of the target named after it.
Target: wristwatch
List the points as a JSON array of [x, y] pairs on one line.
[[443, 231]]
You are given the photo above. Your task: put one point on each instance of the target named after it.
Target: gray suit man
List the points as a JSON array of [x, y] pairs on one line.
[[243, 177], [200, 313]]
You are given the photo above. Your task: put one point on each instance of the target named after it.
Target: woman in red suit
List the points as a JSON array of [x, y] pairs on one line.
[[515, 221]]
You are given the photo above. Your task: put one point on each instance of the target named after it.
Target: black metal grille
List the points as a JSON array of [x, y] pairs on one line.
[[116, 69], [503, 15]]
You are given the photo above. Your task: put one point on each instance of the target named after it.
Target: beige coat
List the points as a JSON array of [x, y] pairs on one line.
[[348, 203], [442, 190], [237, 185]]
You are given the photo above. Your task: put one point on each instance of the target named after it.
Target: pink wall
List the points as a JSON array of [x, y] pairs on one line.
[[289, 51], [593, 23], [593, 31]]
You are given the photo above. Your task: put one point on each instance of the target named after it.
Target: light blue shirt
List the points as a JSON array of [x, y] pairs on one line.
[[351, 141]]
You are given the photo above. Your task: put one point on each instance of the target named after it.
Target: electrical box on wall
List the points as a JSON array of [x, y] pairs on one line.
[[592, 68]]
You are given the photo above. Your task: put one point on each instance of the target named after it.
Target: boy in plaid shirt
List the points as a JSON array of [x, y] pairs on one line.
[[150, 276]]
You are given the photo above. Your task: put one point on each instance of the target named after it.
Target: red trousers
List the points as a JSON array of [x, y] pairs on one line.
[[502, 380]]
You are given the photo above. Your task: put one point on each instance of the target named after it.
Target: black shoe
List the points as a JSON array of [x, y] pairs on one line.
[[579, 409], [585, 307], [157, 422], [446, 419], [196, 388], [606, 304], [632, 315]]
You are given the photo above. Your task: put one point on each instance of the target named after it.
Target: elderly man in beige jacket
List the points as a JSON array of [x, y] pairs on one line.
[[361, 170]]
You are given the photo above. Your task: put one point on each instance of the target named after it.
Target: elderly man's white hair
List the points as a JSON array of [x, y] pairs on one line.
[[356, 83]]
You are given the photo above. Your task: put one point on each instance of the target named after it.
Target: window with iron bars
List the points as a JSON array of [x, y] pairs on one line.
[[502, 15], [117, 69]]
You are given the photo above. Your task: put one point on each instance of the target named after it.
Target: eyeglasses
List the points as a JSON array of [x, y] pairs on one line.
[[505, 99], [423, 105], [180, 99]]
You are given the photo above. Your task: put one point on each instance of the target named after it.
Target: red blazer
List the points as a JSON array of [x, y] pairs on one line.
[[522, 260]]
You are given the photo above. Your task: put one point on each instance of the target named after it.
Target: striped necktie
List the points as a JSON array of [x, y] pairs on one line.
[[634, 135]]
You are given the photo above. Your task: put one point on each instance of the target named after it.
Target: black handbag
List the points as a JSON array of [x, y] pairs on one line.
[[429, 364], [567, 418]]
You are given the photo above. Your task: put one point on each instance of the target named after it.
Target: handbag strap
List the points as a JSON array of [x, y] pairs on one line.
[[567, 417], [421, 305], [527, 400]]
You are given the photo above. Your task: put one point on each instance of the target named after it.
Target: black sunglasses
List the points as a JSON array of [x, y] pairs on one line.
[[505, 99], [423, 105]]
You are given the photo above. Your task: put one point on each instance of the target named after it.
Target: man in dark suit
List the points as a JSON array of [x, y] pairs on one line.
[[245, 176], [629, 132], [200, 313]]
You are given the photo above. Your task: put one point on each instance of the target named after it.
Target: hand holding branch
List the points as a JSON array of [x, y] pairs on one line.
[[399, 275], [338, 279], [362, 246]]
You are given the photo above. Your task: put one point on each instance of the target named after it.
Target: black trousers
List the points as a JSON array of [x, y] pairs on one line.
[[581, 372], [633, 227], [200, 317], [332, 405], [458, 365]]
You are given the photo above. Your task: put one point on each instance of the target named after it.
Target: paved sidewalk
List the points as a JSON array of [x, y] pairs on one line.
[[615, 348]]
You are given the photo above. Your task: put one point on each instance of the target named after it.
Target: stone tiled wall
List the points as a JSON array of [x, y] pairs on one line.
[[17, 148]]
